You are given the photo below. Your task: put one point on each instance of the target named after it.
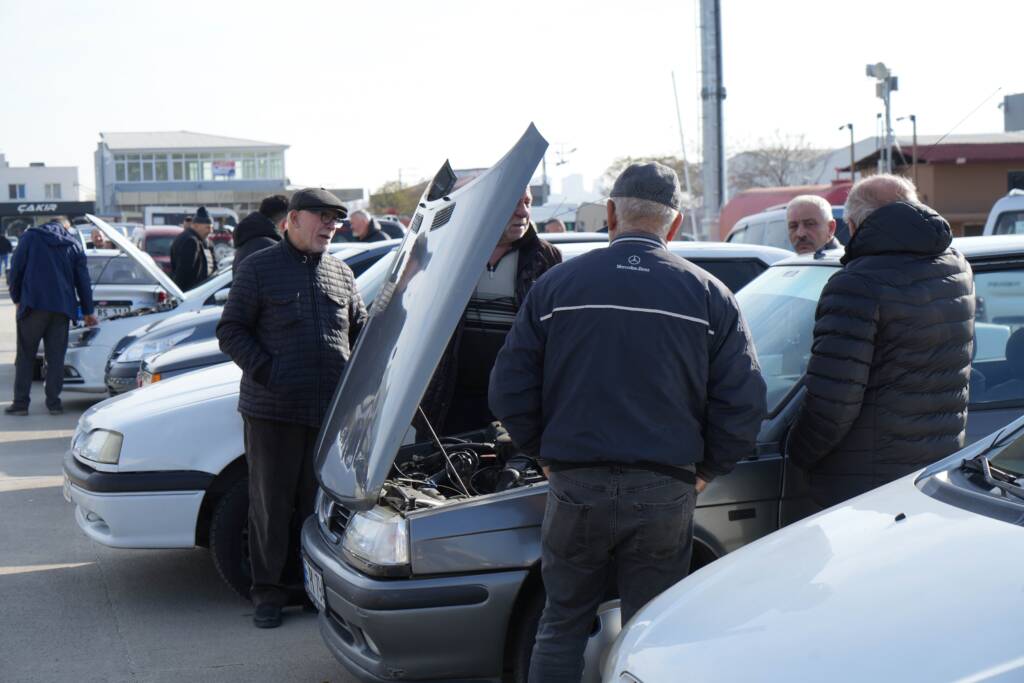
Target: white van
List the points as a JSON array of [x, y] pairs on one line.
[[769, 228], [1007, 215]]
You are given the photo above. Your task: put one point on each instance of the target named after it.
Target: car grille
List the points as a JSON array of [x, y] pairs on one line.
[[338, 519], [331, 517]]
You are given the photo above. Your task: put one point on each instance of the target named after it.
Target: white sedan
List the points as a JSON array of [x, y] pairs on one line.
[[915, 581], [90, 347]]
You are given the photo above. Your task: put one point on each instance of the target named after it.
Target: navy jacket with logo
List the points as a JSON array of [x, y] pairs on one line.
[[630, 355]]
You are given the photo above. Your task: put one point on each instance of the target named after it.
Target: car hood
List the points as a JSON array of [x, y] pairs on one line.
[[140, 257], [205, 317], [186, 356], [430, 281], [157, 401], [851, 594]]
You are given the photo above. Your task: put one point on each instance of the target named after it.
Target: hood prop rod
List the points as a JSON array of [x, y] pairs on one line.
[[440, 446]]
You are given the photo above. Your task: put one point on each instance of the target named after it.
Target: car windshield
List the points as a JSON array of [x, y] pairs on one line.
[[117, 270], [779, 308], [1009, 456], [159, 245], [997, 372]]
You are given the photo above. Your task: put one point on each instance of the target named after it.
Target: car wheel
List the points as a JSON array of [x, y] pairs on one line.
[[229, 538]]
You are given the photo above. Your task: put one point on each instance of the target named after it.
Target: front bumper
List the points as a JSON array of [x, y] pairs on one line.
[[444, 628], [84, 368], [136, 509]]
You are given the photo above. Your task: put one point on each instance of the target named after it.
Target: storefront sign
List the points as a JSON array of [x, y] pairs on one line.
[[223, 169], [46, 208]]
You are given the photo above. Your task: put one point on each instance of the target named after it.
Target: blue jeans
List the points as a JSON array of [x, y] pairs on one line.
[[635, 523]]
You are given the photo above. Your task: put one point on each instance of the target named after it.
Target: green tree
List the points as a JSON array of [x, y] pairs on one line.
[[392, 197]]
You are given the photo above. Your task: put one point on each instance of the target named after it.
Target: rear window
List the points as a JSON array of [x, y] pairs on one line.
[[1010, 223], [734, 274], [997, 373], [117, 270], [159, 245]]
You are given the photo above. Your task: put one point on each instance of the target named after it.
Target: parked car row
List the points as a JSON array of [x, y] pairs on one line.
[[402, 562]]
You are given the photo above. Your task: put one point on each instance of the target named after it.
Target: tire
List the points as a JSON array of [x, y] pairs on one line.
[[526, 633], [229, 538]]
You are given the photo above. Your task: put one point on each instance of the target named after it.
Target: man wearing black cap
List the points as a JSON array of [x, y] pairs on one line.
[[290, 322], [630, 374], [191, 260]]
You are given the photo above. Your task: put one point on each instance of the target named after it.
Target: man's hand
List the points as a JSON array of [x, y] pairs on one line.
[[701, 485], [91, 321]]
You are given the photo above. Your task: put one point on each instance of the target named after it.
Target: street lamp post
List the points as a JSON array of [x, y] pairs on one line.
[[852, 157], [913, 123]]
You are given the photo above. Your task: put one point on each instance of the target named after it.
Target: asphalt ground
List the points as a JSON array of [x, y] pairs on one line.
[[74, 610]]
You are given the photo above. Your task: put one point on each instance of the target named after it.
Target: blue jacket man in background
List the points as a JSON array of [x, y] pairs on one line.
[[47, 271], [630, 374]]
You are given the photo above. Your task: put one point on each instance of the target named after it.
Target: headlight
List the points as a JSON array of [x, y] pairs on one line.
[[82, 337], [146, 378], [142, 348], [378, 541], [100, 445]]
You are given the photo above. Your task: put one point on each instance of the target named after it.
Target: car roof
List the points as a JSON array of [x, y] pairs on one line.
[[974, 248], [692, 250], [164, 229]]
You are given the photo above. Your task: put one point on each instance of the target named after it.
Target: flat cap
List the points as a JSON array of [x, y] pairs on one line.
[[652, 181], [312, 198]]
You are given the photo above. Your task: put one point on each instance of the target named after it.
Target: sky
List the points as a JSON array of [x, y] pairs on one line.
[[364, 91]]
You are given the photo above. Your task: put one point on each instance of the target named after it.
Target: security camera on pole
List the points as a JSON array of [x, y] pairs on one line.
[[885, 85]]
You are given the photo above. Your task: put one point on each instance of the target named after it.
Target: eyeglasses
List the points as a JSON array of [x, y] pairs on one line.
[[327, 216]]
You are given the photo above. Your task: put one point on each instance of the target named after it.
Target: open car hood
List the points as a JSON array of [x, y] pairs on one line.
[[431, 278], [139, 256]]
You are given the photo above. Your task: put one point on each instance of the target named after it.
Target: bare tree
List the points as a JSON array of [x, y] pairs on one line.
[[620, 164], [782, 160]]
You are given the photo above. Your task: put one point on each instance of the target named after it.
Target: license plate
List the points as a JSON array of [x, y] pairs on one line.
[[67, 488], [109, 311], [314, 584]]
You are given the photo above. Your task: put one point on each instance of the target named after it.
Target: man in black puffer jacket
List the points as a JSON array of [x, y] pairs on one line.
[[890, 366], [260, 229], [290, 323]]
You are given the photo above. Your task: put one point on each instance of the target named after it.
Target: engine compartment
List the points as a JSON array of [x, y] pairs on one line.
[[464, 467]]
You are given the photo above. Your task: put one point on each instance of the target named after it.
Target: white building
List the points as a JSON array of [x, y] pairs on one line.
[[30, 194]]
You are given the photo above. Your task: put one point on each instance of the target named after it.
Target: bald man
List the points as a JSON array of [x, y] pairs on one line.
[[811, 225], [888, 376]]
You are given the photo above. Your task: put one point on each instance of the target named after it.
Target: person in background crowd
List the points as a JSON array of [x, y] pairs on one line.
[[887, 381], [290, 322], [554, 225], [5, 253], [260, 229], [630, 374], [811, 225], [191, 260], [364, 228], [47, 271]]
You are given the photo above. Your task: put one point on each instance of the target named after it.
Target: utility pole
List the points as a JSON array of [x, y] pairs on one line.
[[712, 93], [853, 159], [885, 85], [913, 123]]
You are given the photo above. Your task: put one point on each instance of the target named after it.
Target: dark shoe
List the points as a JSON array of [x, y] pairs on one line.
[[16, 410], [59, 410], [267, 616]]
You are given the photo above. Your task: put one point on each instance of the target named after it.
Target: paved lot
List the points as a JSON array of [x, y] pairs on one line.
[[76, 610]]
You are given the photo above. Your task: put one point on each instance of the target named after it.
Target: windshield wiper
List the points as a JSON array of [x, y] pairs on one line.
[[993, 476]]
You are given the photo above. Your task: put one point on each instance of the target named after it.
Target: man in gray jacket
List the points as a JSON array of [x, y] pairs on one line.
[[629, 372]]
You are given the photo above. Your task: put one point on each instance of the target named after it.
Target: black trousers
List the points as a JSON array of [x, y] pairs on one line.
[[52, 329], [635, 522], [282, 487]]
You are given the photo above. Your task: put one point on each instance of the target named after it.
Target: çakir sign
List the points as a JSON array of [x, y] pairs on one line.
[[223, 169]]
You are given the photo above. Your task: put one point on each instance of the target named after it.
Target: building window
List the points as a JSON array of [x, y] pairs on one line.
[[52, 191], [16, 191]]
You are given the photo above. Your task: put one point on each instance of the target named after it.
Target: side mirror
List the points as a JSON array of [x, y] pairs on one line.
[[221, 295]]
